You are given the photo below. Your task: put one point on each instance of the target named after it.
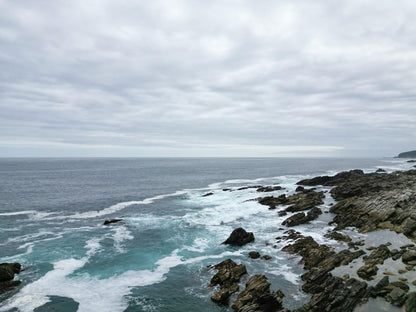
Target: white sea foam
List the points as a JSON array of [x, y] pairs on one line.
[[91, 293], [287, 272], [121, 234]]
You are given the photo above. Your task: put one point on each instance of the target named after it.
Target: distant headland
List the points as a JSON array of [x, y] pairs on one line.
[[410, 154]]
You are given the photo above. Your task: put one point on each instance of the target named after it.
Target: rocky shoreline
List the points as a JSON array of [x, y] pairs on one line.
[[366, 202]]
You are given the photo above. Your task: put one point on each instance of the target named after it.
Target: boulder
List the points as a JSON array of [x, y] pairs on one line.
[[411, 302], [254, 254], [239, 237]]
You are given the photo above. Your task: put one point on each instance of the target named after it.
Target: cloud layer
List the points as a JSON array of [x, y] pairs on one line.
[[207, 78]]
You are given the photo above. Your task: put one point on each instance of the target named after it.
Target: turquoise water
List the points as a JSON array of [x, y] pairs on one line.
[[52, 213]]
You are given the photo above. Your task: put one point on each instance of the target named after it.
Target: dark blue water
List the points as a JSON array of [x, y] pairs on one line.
[[52, 213]]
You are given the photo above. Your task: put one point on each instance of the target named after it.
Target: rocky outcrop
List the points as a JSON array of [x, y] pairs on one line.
[[297, 202], [227, 277], [256, 297], [269, 188], [301, 217], [239, 237], [332, 180], [7, 273], [370, 203]]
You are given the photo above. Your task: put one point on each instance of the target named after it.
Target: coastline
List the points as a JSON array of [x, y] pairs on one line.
[[370, 203]]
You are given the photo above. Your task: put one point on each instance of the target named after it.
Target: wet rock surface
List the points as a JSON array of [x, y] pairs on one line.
[[239, 237], [7, 274], [227, 277]]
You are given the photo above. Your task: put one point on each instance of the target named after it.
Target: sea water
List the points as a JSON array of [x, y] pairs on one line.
[[52, 213]]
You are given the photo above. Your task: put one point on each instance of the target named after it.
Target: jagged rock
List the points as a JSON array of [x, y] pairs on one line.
[[312, 253], [254, 254], [379, 170], [272, 201], [304, 201], [367, 271], [378, 255], [239, 237], [411, 302], [257, 296], [338, 236], [397, 296], [301, 217], [227, 277], [334, 294], [269, 188], [248, 187], [107, 222], [7, 272], [331, 180], [409, 256]]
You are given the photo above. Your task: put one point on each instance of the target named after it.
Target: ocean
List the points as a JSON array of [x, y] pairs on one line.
[[156, 259]]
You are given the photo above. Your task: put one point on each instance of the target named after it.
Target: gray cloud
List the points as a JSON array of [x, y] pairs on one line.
[[193, 78]]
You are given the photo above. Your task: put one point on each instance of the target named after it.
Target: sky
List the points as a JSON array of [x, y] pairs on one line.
[[128, 78]]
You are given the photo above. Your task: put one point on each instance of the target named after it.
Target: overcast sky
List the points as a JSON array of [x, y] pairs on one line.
[[207, 78]]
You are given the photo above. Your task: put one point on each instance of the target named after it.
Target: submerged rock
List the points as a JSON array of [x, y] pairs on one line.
[[254, 254], [107, 222], [239, 237], [208, 194]]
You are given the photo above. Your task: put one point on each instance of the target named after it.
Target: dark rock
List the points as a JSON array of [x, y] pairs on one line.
[[311, 252], [411, 302], [409, 256], [282, 213], [378, 255], [301, 217], [272, 201], [227, 277], [379, 170], [338, 236], [335, 294], [208, 194], [367, 271], [296, 219], [269, 188], [397, 297], [304, 201], [107, 222], [332, 180], [248, 187], [411, 161], [257, 297], [266, 257], [7, 272], [254, 254], [239, 237]]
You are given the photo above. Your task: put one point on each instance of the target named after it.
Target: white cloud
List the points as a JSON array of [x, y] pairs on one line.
[[178, 74]]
